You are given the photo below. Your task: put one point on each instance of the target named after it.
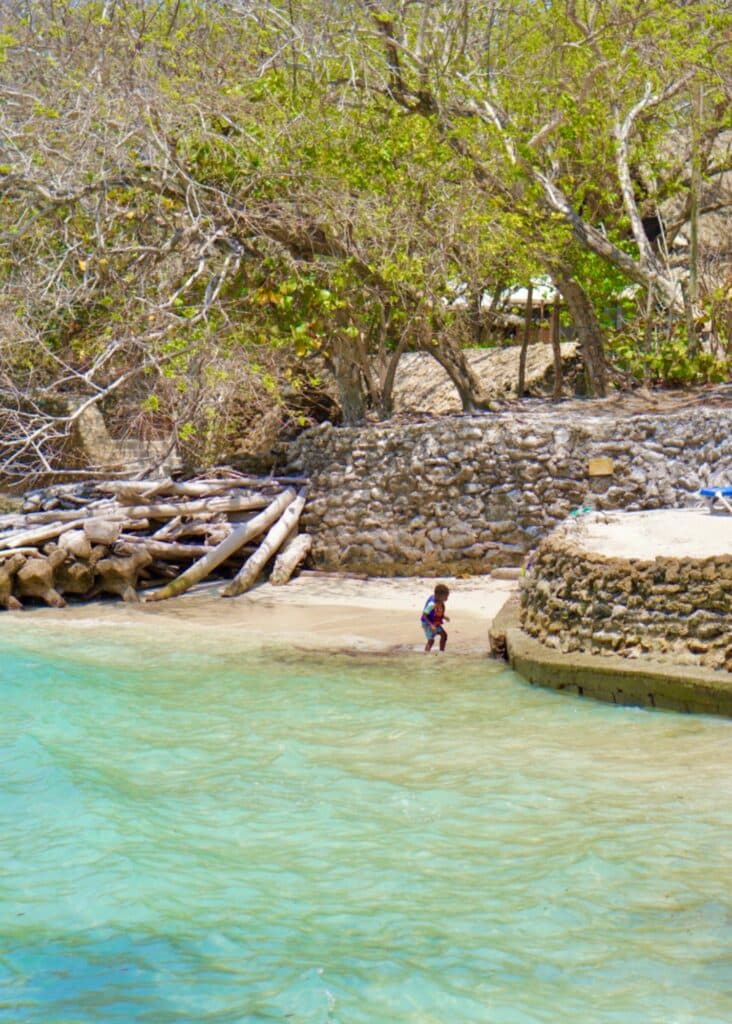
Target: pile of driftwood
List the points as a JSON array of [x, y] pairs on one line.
[[119, 537]]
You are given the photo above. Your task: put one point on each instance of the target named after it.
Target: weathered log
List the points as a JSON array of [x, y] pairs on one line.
[[236, 539], [227, 503], [102, 531], [294, 551], [214, 528], [29, 519], [119, 575], [335, 574], [75, 543], [167, 530], [166, 551], [141, 525], [37, 535], [18, 551], [36, 579], [8, 569], [269, 547], [128, 489]]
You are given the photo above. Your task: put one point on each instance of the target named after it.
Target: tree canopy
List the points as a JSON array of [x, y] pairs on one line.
[[202, 206]]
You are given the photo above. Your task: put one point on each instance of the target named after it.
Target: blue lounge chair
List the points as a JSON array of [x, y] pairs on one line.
[[720, 498]]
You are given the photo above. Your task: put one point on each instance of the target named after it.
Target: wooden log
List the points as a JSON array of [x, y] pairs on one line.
[[236, 539], [29, 519], [143, 525], [131, 492], [325, 574], [202, 526], [75, 543], [201, 487], [36, 579], [102, 531], [269, 547], [38, 535], [226, 503], [167, 530], [165, 551], [18, 551], [8, 569], [42, 533], [294, 551]]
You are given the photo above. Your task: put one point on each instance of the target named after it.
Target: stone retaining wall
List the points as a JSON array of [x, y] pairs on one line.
[[669, 609], [468, 493]]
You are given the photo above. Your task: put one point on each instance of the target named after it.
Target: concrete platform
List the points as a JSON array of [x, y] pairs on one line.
[[617, 680]]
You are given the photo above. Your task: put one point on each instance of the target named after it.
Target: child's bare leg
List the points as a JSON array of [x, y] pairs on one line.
[[428, 645], [443, 639]]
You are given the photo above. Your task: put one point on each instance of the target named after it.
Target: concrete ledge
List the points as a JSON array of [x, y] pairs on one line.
[[617, 680]]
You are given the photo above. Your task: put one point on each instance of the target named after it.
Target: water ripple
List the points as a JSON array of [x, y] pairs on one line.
[[191, 837]]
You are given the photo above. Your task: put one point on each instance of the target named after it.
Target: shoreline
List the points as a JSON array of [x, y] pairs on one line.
[[379, 615]]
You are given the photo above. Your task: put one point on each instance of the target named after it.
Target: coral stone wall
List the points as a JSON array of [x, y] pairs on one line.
[[467, 493], [669, 609]]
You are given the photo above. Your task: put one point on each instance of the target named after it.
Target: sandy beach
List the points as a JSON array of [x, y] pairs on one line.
[[377, 615], [321, 613]]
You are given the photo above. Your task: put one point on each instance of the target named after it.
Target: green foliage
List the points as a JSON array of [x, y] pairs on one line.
[[222, 198], [668, 361]]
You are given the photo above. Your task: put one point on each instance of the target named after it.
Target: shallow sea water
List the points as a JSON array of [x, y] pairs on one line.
[[190, 837]]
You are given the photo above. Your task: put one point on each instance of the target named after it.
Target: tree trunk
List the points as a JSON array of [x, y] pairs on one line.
[[236, 540], [453, 361], [556, 352], [591, 334], [525, 342], [349, 380], [248, 573], [386, 404]]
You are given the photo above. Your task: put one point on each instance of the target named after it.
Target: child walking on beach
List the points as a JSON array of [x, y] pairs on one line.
[[433, 615]]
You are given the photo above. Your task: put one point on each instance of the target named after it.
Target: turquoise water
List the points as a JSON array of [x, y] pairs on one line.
[[186, 837]]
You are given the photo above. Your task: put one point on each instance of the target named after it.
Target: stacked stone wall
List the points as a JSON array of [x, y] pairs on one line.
[[467, 493], [669, 609]]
